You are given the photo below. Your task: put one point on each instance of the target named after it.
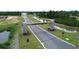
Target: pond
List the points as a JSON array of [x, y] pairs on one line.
[[4, 36]]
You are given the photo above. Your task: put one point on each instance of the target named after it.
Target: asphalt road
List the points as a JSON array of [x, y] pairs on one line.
[[49, 41]]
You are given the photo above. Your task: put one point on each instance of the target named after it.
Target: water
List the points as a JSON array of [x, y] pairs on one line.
[[4, 36]]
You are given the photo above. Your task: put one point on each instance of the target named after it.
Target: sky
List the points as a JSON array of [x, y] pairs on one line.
[[38, 5]]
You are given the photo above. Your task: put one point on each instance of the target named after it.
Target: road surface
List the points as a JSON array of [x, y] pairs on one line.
[[49, 41]]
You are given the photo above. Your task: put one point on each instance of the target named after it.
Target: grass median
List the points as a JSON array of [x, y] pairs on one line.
[[33, 43], [32, 19]]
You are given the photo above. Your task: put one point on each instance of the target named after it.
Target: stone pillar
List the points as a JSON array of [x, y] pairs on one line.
[[43, 20], [51, 24], [24, 28]]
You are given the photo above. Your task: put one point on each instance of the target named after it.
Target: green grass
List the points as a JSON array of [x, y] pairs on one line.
[[68, 21], [33, 42], [10, 26], [6, 24], [12, 30], [78, 18], [32, 19], [20, 37], [72, 37]]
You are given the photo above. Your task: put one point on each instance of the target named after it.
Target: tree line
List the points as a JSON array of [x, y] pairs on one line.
[[10, 13], [63, 17]]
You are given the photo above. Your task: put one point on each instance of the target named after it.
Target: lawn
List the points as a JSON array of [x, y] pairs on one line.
[[78, 18], [32, 19], [72, 37], [33, 42]]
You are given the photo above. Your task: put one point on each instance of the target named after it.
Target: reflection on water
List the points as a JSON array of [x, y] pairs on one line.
[[4, 36]]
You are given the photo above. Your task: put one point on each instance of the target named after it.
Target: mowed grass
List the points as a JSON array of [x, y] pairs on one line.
[[32, 19], [73, 37], [8, 23], [33, 42], [20, 37], [77, 18]]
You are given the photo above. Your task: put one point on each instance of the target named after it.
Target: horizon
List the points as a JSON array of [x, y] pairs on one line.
[[40, 11]]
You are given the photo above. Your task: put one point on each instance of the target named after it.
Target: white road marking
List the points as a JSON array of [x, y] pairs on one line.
[[56, 36], [37, 38]]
